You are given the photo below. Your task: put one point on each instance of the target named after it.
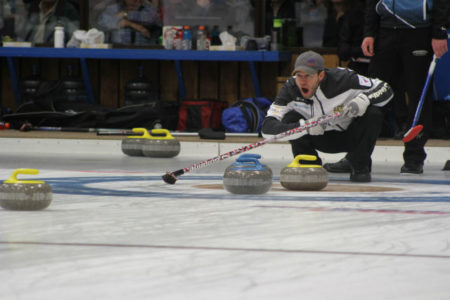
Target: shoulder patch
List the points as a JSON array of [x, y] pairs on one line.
[[364, 81]]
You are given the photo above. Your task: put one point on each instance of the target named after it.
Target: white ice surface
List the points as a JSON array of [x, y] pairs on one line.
[[115, 230]]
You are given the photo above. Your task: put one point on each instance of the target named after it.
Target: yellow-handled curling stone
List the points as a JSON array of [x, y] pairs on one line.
[[132, 145], [160, 146], [307, 177], [18, 194], [247, 176]]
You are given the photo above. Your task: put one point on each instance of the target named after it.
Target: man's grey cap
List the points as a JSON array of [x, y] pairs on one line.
[[309, 62]]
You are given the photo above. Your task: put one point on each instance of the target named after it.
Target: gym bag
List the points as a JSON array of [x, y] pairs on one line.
[[194, 115], [246, 115]]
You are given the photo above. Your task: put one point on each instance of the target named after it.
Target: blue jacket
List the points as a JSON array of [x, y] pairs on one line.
[[404, 14]]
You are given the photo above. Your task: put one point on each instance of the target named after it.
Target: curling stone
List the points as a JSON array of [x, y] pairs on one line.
[[303, 177], [247, 176], [160, 146], [25, 194], [132, 145], [160, 143]]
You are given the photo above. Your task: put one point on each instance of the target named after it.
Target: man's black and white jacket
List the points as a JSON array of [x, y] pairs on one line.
[[338, 87]]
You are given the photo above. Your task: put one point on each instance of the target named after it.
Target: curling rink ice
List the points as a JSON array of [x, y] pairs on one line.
[[115, 230]]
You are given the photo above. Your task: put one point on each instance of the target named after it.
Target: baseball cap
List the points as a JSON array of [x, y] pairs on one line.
[[309, 62]]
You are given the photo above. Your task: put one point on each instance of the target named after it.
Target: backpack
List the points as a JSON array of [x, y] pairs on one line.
[[246, 115]]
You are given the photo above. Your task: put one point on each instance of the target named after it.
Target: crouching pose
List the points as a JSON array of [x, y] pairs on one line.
[[314, 91]]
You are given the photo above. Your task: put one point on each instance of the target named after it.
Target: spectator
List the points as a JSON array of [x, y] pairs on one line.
[[131, 22], [314, 91], [284, 10], [311, 16], [173, 11], [350, 38], [8, 13], [43, 16], [401, 40], [333, 23], [208, 9]]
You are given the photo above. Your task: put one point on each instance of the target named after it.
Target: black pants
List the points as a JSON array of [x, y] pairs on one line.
[[403, 56], [358, 140]]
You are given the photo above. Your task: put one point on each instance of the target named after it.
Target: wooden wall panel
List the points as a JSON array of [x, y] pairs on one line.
[[208, 74], [245, 81], [331, 60], [129, 70], [268, 79], [191, 81], [109, 83], [7, 100], [229, 81], [168, 81], [95, 78], [151, 72], [50, 68]]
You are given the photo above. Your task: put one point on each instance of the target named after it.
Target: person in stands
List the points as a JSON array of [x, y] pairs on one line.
[[131, 22]]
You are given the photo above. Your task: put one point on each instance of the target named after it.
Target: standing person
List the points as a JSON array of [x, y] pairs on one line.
[[351, 36], [284, 10], [131, 22], [336, 10], [42, 17], [314, 91], [401, 37]]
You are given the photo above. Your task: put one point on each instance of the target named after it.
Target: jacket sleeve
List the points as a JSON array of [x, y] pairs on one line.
[[380, 94], [273, 124], [372, 19], [439, 19]]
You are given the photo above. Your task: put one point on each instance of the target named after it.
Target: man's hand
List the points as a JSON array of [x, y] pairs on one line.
[[356, 107], [319, 129], [439, 47], [367, 46]]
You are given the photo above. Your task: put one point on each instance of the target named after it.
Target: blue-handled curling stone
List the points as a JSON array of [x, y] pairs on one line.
[[247, 176]]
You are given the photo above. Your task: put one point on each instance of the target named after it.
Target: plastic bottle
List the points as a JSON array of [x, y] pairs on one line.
[[276, 35], [187, 38], [59, 36], [177, 43], [169, 38], [201, 38]]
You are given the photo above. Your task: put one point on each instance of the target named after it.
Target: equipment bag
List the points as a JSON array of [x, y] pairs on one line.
[[194, 115], [48, 108], [246, 115]]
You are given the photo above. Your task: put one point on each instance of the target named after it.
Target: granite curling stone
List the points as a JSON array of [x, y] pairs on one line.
[[303, 177], [247, 176], [132, 145], [25, 194], [161, 143]]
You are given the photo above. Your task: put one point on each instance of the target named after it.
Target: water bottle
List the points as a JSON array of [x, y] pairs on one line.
[[201, 38], [275, 43], [187, 38], [177, 43], [59, 36], [169, 38]]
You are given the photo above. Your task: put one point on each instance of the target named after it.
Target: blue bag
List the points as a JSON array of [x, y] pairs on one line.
[[245, 115]]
